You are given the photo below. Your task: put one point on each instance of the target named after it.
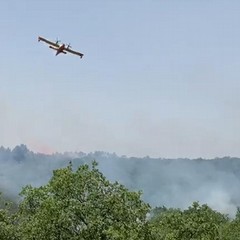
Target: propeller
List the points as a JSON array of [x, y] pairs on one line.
[[57, 41], [69, 45]]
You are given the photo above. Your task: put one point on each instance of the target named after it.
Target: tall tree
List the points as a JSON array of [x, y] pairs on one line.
[[198, 222], [82, 204]]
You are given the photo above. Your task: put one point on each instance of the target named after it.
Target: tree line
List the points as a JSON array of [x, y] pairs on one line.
[[84, 204]]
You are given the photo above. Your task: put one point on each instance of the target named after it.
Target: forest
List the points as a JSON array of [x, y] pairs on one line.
[[173, 183], [84, 204]]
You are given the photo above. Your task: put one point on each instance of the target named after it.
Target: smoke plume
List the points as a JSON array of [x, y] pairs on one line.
[[168, 182]]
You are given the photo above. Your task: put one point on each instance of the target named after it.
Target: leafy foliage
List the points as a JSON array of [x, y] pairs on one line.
[[81, 205], [197, 222], [7, 228], [231, 230], [84, 205]]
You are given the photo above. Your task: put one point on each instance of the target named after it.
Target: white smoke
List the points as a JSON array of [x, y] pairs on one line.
[[168, 182]]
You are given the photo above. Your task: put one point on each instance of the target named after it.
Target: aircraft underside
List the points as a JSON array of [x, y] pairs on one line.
[[57, 49]]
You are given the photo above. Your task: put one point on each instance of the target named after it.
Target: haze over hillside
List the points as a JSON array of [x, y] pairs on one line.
[[169, 182]]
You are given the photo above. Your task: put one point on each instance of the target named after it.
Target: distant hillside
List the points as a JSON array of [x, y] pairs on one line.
[[169, 182]]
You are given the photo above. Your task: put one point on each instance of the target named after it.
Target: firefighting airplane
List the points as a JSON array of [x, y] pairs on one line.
[[60, 48]]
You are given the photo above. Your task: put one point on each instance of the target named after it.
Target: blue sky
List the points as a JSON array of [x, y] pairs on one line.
[[158, 78]]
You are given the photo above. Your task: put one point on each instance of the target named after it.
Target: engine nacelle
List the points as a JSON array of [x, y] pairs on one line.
[[53, 47]]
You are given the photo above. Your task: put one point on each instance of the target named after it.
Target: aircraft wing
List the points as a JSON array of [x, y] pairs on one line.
[[47, 41], [74, 52]]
